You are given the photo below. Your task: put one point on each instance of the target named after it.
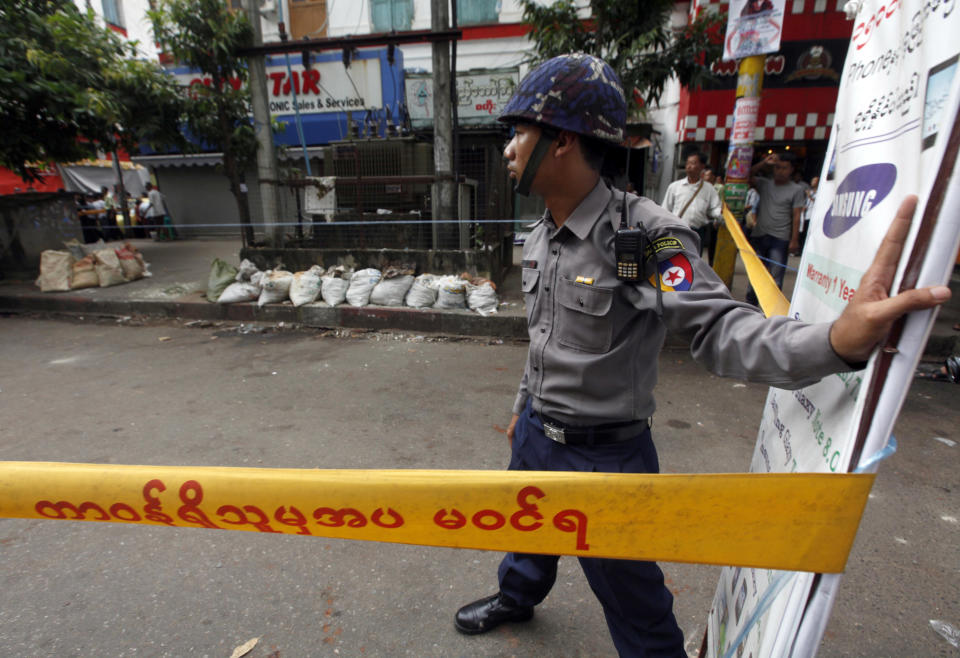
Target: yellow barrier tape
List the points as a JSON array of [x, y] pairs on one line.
[[803, 522], [771, 298]]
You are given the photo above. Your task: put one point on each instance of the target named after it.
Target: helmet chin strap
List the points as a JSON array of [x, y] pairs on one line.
[[547, 137]]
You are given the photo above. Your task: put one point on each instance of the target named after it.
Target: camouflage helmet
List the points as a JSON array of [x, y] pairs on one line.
[[576, 92]]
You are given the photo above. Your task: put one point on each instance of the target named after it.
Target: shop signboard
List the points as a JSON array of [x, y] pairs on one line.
[[481, 95], [327, 86]]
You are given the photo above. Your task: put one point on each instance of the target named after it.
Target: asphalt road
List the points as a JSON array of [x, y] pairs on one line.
[[169, 395]]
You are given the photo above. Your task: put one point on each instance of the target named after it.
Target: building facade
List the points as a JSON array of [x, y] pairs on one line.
[[800, 86]]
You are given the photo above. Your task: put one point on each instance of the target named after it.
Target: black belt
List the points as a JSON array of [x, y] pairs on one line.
[[593, 435]]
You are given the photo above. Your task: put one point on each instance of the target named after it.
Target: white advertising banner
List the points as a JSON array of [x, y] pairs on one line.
[[325, 87], [480, 96], [896, 109], [753, 28]]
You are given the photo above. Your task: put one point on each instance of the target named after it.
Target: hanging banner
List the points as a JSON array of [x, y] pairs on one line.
[[775, 521], [753, 28], [895, 134]]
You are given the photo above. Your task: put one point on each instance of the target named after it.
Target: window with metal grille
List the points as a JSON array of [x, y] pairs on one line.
[[308, 18], [390, 15], [475, 12], [111, 12]]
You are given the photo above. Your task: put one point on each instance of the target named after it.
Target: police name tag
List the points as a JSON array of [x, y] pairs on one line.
[[663, 244]]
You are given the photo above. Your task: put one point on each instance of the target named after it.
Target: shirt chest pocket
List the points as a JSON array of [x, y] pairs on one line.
[[584, 320], [529, 278]]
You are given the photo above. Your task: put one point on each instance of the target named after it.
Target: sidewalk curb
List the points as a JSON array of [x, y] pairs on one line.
[[453, 322], [449, 322]]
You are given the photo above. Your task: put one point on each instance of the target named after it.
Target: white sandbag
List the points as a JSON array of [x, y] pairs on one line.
[[275, 287], [56, 270], [91, 249], [131, 265], [390, 292], [85, 274], [305, 287], [240, 291], [75, 247], [451, 292], [333, 289], [482, 298], [246, 270], [361, 285], [423, 292], [108, 267]]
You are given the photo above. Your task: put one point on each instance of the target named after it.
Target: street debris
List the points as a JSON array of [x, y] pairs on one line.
[[245, 648], [950, 633]]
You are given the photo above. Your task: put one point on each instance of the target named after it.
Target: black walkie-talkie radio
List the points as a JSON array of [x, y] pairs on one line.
[[628, 243], [627, 247]]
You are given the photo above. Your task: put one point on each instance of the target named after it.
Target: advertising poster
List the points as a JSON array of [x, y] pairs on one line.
[[481, 95], [897, 105], [753, 28]]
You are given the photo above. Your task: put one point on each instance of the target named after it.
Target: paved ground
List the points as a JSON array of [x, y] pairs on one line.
[[158, 393]]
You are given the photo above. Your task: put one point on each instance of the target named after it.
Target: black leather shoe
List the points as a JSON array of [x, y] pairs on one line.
[[488, 613]]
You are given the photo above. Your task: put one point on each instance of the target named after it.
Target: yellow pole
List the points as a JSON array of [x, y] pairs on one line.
[[739, 159]]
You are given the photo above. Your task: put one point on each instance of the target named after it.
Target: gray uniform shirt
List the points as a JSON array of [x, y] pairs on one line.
[[594, 340]]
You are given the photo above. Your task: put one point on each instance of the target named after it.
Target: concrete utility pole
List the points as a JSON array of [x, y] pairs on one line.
[[443, 193], [266, 155]]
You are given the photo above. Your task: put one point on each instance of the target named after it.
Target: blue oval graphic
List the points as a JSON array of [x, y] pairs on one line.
[[861, 190]]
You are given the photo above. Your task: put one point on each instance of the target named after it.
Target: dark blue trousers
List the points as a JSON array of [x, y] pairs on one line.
[[637, 605], [772, 249]]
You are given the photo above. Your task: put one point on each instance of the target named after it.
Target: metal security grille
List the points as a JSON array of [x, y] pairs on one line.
[[376, 194]]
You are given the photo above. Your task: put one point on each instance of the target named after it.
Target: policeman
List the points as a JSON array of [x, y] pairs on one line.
[[587, 389]]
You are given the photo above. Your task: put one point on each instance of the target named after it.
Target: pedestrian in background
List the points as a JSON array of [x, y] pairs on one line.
[[750, 204], [694, 199], [811, 194], [89, 228], [109, 221], [777, 233], [156, 211], [586, 394]]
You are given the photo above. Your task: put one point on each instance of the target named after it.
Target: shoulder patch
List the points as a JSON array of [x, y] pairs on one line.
[[663, 244], [676, 273]]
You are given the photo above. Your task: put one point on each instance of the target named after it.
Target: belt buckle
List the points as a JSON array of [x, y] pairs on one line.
[[555, 433]]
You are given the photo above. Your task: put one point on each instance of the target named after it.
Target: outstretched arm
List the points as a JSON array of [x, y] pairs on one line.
[[871, 313]]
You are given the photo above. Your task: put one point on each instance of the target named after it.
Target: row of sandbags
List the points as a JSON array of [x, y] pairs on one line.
[[338, 284], [71, 269]]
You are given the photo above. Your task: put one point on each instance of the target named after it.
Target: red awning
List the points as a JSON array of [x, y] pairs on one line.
[[10, 183], [785, 115]]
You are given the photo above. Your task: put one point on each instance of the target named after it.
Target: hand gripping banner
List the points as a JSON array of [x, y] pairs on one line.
[[803, 522]]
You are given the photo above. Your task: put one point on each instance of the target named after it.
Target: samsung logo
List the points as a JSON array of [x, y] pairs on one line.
[[860, 191]]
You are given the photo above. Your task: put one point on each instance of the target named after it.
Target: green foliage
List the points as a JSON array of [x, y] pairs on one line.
[[205, 35], [71, 87], [633, 37]]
